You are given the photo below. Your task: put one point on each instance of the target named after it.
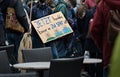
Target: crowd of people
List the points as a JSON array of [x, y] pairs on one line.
[[87, 18]]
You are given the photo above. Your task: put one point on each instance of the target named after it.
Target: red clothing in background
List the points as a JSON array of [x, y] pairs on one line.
[[98, 29], [90, 3]]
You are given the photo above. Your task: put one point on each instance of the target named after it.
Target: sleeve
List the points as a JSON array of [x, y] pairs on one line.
[[97, 27], [19, 9], [91, 12]]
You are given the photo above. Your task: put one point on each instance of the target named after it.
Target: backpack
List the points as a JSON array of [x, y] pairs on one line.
[[12, 22], [2, 30], [113, 25]]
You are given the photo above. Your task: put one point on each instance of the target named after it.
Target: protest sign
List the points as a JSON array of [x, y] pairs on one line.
[[52, 27]]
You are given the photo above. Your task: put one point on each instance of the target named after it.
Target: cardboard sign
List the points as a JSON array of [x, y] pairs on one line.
[[52, 27]]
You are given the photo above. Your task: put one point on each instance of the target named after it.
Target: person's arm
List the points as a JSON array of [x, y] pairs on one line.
[[91, 12], [19, 9]]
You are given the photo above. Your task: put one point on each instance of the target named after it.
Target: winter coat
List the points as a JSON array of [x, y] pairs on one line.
[[98, 29]]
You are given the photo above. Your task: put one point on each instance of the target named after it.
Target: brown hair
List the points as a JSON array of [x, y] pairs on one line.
[[80, 10]]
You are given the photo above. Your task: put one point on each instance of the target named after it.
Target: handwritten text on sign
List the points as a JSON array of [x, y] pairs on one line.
[[52, 27]]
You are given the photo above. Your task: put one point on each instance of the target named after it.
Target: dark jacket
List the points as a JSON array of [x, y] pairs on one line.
[[18, 10], [83, 24], [39, 11]]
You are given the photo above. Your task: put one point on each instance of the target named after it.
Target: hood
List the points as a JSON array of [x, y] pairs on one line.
[[114, 4]]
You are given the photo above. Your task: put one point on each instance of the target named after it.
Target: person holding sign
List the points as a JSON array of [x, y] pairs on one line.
[[41, 9]]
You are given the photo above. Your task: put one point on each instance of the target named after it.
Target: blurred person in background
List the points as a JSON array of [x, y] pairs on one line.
[[84, 16], [73, 44], [60, 5], [98, 30], [40, 10], [14, 37]]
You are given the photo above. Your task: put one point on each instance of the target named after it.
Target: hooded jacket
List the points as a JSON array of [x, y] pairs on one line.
[[61, 6], [98, 29]]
